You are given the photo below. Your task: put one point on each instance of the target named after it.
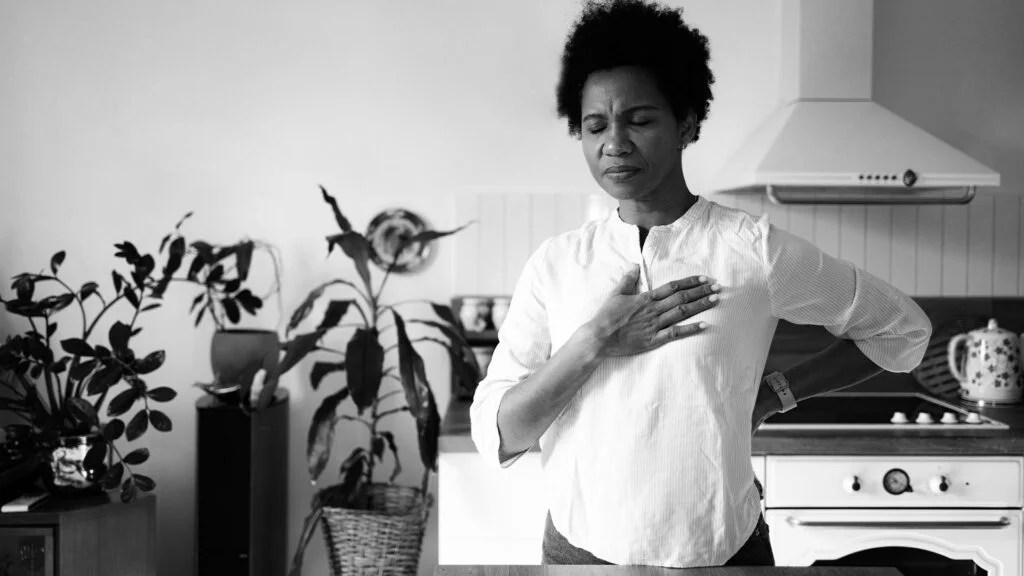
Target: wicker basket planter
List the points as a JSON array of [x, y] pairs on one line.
[[386, 539]]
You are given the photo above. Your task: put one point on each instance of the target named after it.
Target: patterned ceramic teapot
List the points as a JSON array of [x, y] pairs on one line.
[[989, 369]]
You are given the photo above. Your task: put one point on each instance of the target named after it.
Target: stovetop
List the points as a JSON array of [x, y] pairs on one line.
[[880, 411]]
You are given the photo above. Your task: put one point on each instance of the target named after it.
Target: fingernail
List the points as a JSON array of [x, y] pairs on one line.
[[703, 278], [713, 298], [702, 325], [716, 287]]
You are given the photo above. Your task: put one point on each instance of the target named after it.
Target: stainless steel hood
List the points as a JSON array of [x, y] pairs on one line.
[[831, 143]]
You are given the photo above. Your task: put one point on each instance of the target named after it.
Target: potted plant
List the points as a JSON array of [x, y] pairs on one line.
[[368, 523], [77, 393], [221, 271]]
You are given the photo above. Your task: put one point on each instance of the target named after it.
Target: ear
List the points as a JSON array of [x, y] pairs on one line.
[[687, 129]]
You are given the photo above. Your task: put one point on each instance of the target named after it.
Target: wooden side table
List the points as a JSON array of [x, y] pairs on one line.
[[94, 536]]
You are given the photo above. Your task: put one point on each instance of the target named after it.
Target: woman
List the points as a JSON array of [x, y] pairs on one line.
[[633, 347]]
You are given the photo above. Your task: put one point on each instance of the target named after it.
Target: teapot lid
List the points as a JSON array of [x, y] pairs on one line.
[[993, 328]]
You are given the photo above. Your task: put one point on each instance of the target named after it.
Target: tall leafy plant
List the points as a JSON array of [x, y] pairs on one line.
[[378, 369], [89, 382]]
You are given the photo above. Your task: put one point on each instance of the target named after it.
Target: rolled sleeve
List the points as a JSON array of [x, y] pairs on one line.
[[808, 286], [524, 344]]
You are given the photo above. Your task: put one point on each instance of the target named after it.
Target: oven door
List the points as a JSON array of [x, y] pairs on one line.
[[915, 541]]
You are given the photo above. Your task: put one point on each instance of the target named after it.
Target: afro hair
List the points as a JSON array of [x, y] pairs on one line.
[[613, 33]]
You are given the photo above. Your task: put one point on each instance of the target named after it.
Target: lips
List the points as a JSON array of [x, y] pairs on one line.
[[621, 169]]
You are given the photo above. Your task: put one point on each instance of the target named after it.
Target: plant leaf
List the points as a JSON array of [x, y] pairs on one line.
[[137, 426], [418, 395], [113, 430], [394, 452], [56, 303], [118, 281], [160, 421], [55, 261], [335, 312], [143, 482], [129, 294], [113, 476], [355, 247], [320, 439], [343, 222], [122, 403], [87, 289], [95, 456], [243, 259], [231, 309], [444, 313], [322, 369], [137, 456], [149, 307], [82, 370], [103, 379], [128, 492], [77, 347], [306, 307], [308, 529], [364, 358], [24, 286], [428, 236], [297, 349], [162, 394], [83, 411], [151, 362], [119, 335]]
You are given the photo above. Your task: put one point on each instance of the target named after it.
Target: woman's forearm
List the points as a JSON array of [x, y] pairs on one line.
[[528, 408]]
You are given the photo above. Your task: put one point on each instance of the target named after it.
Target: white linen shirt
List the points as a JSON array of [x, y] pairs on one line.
[[649, 463]]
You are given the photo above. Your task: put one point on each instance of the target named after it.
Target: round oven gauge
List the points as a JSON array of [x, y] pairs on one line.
[[896, 482]]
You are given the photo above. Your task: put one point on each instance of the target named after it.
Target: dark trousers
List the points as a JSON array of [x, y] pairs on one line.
[[757, 551]]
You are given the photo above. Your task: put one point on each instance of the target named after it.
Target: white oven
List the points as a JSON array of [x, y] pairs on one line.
[[924, 515]]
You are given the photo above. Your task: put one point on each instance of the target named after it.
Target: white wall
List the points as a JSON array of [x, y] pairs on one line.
[[116, 117]]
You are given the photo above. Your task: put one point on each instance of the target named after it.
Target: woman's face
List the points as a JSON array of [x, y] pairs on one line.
[[631, 138]]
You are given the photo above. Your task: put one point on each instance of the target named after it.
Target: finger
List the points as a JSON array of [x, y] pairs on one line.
[[669, 288], [681, 312], [678, 332], [691, 295], [628, 283]]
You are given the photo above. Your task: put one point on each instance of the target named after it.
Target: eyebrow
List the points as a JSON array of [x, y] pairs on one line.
[[640, 108]]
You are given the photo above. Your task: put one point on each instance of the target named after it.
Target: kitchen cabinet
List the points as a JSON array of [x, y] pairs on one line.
[[492, 516]]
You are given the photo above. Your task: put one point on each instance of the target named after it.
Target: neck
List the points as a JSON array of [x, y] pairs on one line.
[[663, 205]]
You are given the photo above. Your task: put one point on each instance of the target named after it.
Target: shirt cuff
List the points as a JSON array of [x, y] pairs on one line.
[[483, 414]]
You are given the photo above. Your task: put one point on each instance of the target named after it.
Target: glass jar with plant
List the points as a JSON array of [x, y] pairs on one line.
[[367, 522], [75, 385], [222, 271]]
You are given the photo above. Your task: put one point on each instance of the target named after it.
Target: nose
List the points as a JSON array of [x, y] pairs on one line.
[[617, 142]]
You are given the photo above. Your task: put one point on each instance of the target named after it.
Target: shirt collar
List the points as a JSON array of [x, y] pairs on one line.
[[688, 218]]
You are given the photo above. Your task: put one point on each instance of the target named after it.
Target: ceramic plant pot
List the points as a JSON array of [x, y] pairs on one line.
[[66, 471]]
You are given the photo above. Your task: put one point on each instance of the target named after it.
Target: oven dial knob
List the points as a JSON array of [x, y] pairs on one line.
[[851, 484], [899, 418], [938, 484], [925, 418], [896, 482], [973, 418], [950, 418]]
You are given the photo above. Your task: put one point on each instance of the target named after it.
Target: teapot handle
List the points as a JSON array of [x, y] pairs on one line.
[[954, 345]]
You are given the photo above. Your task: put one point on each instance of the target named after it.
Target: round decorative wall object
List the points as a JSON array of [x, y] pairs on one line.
[[387, 231]]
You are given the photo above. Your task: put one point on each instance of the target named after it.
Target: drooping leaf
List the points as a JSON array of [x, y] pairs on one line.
[[322, 369], [335, 312], [320, 439], [77, 347], [297, 349], [113, 429], [407, 356], [119, 335], [83, 411], [306, 307], [453, 335], [128, 492], [418, 395], [160, 421], [352, 475], [87, 289], [162, 394], [118, 281], [103, 379], [308, 529], [122, 402], [149, 307], [243, 259], [143, 483], [444, 313], [151, 362], [231, 309], [364, 360], [25, 308], [137, 426], [355, 247], [113, 476], [94, 458], [343, 222], [429, 428], [394, 452], [428, 236]]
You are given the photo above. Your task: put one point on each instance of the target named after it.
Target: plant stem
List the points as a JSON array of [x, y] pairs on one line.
[[392, 411]]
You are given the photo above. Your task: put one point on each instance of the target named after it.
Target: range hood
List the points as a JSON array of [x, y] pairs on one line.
[[831, 143]]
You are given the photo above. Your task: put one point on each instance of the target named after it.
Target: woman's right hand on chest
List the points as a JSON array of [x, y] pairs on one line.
[[630, 323]]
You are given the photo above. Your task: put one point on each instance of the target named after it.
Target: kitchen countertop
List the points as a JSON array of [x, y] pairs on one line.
[[653, 571], [455, 434]]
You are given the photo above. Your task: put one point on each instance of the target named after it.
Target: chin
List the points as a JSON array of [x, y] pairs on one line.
[[625, 191]]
